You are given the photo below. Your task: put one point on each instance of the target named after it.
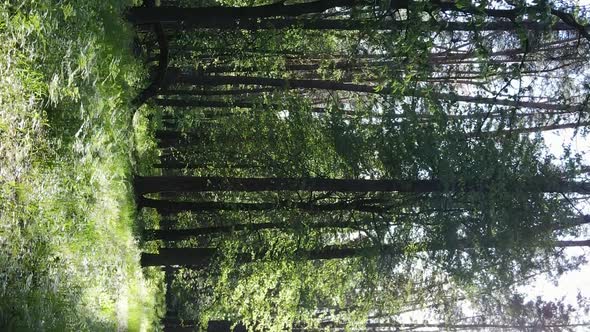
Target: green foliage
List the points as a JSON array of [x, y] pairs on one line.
[[69, 259], [450, 109]]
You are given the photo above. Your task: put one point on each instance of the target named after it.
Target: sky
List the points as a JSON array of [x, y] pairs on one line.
[[575, 281], [572, 282]]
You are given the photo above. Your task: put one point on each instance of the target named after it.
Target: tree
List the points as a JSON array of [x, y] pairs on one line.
[[336, 160]]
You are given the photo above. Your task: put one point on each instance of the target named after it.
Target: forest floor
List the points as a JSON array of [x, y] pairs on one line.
[[69, 143]]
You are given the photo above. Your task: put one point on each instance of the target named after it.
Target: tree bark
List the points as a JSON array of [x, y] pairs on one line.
[[177, 76], [222, 104], [175, 164], [179, 329], [356, 25], [340, 64], [181, 234], [160, 74], [202, 257], [530, 130], [154, 184], [190, 16], [169, 207], [162, 134], [397, 327], [224, 326], [215, 92]]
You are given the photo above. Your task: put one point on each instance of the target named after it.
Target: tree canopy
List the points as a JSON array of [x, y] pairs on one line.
[[337, 164]]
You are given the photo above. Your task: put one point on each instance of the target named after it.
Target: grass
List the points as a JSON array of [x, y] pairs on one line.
[[69, 259]]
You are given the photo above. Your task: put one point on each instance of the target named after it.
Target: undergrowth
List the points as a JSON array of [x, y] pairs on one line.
[[69, 259]]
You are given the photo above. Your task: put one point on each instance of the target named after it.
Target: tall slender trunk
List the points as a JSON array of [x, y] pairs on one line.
[[238, 15], [222, 104], [212, 325], [203, 256], [162, 134], [224, 326], [234, 92], [169, 207], [172, 143], [190, 16], [174, 322], [160, 74], [175, 164], [356, 25], [179, 329], [181, 234], [203, 103], [340, 64], [153, 184], [177, 76], [397, 327], [537, 129]]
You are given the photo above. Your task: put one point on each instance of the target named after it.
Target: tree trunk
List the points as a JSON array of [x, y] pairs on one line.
[[175, 322], [397, 327], [179, 329], [529, 130], [222, 104], [216, 92], [177, 76], [356, 25], [160, 74], [191, 16], [169, 207], [154, 184], [175, 164], [202, 257], [161, 134], [340, 64], [181, 234], [224, 326]]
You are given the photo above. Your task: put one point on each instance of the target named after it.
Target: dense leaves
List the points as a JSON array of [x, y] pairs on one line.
[[346, 162]]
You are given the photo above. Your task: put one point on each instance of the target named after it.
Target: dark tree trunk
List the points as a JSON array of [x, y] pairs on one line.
[[190, 16], [176, 322], [203, 103], [181, 234], [202, 256], [216, 92], [175, 135], [529, 130], [169, 207], [172, 143], [178, 256], [355, 25], [175, 164], [221, 104], [397, 327], [179, 329], [168, 125], [176, 139], [184, 77], [344, 64], [224, 326], [153, 184], [160, 73]]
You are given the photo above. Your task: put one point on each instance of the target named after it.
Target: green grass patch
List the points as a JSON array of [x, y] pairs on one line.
[[69, 259]]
